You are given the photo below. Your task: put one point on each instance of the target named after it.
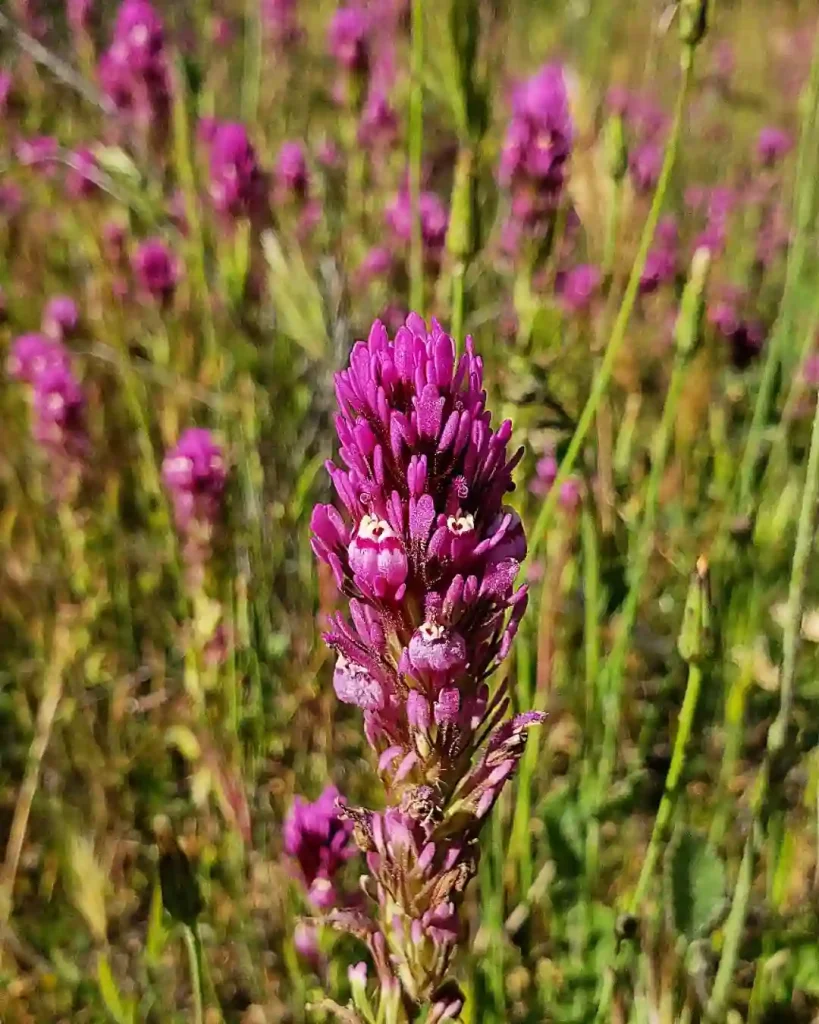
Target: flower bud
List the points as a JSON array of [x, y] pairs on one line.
[[693, 21]]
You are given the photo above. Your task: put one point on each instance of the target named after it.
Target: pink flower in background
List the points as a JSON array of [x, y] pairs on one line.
[[580, 286], [237, 183], [772, 145], [320, 842], [156, 269], [195, 475], [61, 317]]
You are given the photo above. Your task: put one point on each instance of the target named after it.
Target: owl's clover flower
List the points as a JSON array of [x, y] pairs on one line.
[[236, 181], [60, 317], [426, 552], [537, 147], [319, 840], [156, 269], [194, 473], [134, 70]]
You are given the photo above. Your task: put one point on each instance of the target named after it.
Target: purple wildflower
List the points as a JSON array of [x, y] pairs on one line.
[[156, 269], [280, 20], [662, 262], [434, 222], [538, 146], [378, 126], [133, 71], [376, 265], [644, 163], [79, 14], [61, 317], [32, 354], [236, 181], [319, 840], [772, 145], [745, 336], [545, 476], [292, 178], [38, 151], [427, 553], [350, 39], [195, 474], [579, 288], [6, 84], [82, 174]]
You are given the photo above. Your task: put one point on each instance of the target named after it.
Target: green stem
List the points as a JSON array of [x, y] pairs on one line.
[[644, 545], [781, 335], [416, 141], [777, 734], [618, 334], [457, 324], [195, 966], [659, 833]]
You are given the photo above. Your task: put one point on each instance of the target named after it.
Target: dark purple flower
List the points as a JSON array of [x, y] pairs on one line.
[[538, 146], [745, 336], [320, 841], [38, 151], [195, 474], [772, 145], [59, 408], [79, 14], [236, 181], [434, 222], [378, 125], [545, 476], [376, 264], [60, 317], [580, 286], [6, 84], [645, 163], [349, 38], [156, 269], [662, 263], [32, 354], [133, 71], [291, 173], [281, 22], [82, 176]]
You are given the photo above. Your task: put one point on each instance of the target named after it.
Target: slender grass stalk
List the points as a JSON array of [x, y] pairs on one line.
[[659, 833], [194, 948], [252, 61], [804, 207], [777, 734], [458, 297], [618, 333], [187, 179], [416, 144], [591, 609], [61, 654], [643, 546]]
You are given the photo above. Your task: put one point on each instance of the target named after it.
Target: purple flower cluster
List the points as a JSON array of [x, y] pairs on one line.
[[773, 145], [157, 269], [57, 400], [537, 147], [60, 317], [291, 174], [279, 17], [427, 554], [434, 222], [745, 335], [579, 287], [350, 39], [134, 71], [719, 203], [237, 185], [320, 841], [195, 474], [663, 259]]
